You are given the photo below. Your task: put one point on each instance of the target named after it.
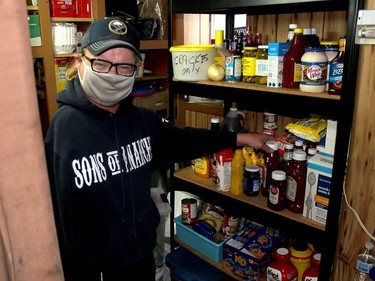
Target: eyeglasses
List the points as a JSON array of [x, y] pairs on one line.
[[103, 66]]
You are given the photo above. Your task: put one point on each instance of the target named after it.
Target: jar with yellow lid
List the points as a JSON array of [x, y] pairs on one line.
[[261, 65], [248, 64]]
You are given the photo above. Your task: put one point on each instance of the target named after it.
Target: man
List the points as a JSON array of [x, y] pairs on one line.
[[101, 151]]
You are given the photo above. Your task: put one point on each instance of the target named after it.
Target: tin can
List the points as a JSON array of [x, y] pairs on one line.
[[189, 210], [233, 68], [230, 225], [270, 124]]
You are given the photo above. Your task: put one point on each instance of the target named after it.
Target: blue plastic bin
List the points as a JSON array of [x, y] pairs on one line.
[[185, 266]]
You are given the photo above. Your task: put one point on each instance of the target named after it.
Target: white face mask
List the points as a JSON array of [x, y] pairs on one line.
[[104, 88]]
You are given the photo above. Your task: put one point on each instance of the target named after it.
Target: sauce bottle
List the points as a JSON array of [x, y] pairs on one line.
[[277, 196], [292, 61], [281, 268], [287, 157], [271, 163], [312, 273], [300, 255], [221, 51], [296, 182], [237, 173], [336, 70]]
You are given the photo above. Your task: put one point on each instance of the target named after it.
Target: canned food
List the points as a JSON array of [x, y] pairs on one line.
[[233, 68], [230, 225], [189, 210]]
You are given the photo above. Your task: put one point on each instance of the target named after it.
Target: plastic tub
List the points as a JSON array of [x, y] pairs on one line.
[[190, 62]]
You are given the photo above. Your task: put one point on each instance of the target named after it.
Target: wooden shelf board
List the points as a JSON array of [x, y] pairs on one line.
[[154, 44], [61, 19], [187, 174], [262, 88]]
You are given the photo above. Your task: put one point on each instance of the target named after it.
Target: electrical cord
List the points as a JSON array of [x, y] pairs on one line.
[[357, 216]]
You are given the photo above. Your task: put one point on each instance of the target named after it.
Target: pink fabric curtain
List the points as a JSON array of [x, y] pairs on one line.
[[28, 243]]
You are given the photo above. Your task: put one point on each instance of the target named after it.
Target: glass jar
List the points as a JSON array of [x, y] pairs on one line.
[[248, 64], [261, 65]]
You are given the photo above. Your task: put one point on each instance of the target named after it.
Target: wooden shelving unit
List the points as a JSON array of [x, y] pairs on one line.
[[287, 103]]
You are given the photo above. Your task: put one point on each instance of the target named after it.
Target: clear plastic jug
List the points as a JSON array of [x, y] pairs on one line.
[[235, 121]]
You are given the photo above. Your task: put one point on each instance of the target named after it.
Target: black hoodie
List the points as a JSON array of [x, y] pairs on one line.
[[100, 166]]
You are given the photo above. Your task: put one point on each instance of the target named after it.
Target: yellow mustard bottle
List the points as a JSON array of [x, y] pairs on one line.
[[237, 170]]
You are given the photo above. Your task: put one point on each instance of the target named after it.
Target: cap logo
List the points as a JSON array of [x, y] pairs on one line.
[[118, 27]]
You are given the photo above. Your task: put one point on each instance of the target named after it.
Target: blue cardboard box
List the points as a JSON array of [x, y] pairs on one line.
[[248, 252]]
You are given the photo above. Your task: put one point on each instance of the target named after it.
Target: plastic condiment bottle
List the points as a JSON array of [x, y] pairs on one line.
[[292, 26], [221, 51], [296, 182], [292, 61], [312, 273], [271, 163], [287, 157], [277, 195], [336, 70], [237, 173], [300, 255], [281, 269], [314, 70]]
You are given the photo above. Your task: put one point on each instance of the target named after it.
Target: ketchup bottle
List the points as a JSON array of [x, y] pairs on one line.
[[312, 273], [271, 163], [296, 179], [281, 268], [292, 61]]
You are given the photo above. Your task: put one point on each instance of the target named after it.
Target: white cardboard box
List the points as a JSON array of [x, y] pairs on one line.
[[276, 52], [318, 187]]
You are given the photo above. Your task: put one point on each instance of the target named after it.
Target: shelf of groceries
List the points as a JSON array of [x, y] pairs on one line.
[[259, 201]]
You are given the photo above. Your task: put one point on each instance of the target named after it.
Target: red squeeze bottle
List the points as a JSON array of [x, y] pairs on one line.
[[271, 163], [312, 273], [281, 268], [292, 61], [296, 179]]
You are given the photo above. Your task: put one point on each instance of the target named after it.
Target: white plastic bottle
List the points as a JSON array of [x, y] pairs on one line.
[[365, 261]]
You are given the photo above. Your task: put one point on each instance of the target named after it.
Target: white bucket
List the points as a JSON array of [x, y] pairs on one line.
[[190, 62]]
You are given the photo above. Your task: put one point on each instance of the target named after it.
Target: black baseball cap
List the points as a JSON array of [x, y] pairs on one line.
[[110, 32]]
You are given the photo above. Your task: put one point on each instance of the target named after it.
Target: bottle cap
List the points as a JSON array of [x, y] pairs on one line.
[[215, 120], [289, 146], [252, 168], [273, 144], [298, 30], [278, 175], [307, 31], [299, 155], [293, 25]]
